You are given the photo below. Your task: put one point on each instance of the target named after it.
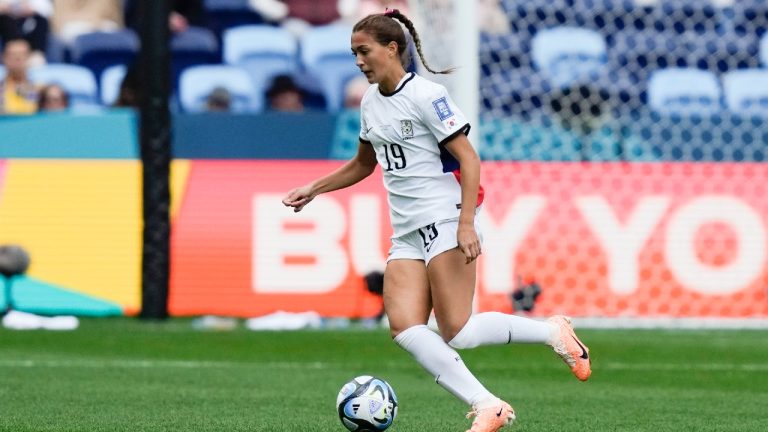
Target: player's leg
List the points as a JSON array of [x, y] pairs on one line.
[[453, 284], [407, 303]]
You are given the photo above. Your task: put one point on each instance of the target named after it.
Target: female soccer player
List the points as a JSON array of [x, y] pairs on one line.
[[412, 129]]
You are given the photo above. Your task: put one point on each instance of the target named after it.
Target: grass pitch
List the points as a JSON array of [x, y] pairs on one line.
[[128, 375]]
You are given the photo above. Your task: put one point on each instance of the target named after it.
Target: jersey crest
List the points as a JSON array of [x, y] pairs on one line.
[[443, 109], [406, 128]]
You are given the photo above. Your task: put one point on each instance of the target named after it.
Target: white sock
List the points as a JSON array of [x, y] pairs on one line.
[[495, 328], [445, 364]]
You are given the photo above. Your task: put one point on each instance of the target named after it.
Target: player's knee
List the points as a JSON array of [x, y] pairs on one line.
[[460, 339]]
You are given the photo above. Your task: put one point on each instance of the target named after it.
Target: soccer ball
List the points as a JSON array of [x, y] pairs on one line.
[[367, 404]]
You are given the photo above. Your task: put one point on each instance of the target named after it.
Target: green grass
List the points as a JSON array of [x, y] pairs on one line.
[[127, 375]]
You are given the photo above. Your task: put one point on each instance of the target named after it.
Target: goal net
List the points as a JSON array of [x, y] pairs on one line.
[[624, 146]]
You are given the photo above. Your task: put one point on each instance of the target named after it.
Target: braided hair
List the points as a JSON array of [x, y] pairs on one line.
[[384, 29]]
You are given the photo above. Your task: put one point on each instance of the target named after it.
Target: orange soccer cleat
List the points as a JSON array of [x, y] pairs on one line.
[[492, 418], [574, 353]]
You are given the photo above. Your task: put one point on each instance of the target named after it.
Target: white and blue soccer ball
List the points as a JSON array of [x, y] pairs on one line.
[[367, 404]]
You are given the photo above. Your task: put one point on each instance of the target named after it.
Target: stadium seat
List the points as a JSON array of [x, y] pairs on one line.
[[764, 50], [223, 14], [569, 54], [684, 91], [193, 47], [196, 83], [746, 91], [111, 79], [97, 51], [78, 81], [56, 51], [325, 53], [263, 51]]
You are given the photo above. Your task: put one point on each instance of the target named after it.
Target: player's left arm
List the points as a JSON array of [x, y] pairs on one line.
[[469, 163]]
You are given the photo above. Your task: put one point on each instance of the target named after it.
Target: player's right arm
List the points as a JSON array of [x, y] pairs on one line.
[[355, 170]]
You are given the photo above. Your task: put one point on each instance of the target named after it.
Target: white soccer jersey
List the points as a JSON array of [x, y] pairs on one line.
[[407, 129]]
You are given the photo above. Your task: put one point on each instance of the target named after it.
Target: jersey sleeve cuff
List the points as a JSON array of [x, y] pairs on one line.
[[464, 129]]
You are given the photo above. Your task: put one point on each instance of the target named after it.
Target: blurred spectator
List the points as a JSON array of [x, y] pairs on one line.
[[284, 95], [354, 91], [28, 20], [352, 11], [52, 98], [71, 18], [303, 14], [18, 95], [219, 100], [184, 13], [270, 10]]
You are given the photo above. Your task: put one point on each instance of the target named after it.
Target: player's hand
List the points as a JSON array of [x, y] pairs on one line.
[[468, 241], [298, 198]]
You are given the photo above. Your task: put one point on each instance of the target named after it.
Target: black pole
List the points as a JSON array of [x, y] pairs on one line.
[[155, 135], [8, 293]]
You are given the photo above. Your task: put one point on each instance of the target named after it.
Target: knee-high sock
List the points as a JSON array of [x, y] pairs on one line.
[[439, 359], [495, 328]]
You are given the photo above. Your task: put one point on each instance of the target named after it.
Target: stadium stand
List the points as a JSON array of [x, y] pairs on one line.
[[78, 81], [97, 51], [569, 54], [684, 90], [197, 82], [325, 54], [109, 83], [223, 14], [195, 46], [746, 91], [263, 51]]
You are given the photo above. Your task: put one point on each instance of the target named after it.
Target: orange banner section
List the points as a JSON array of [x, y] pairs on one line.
[[635, 240]]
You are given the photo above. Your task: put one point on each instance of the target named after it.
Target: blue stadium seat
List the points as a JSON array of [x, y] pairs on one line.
[[196, 83], [223, 14], [56, 51], [684, 91], [110, 82], [764, 50], [193, 47], [100, 50], [325, 53], [263, 51], [78, 81], [746, 91], [569, 54]]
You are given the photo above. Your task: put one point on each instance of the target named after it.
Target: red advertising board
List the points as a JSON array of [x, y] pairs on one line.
[[609, 240]]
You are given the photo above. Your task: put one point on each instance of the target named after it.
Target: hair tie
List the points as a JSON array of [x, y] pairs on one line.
[[389, 12]]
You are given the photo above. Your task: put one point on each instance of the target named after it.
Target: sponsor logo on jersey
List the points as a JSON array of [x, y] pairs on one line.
[[443, 109], [406, 127]]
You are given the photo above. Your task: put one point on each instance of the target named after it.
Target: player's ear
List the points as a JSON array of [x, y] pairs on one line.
[[392, 49]]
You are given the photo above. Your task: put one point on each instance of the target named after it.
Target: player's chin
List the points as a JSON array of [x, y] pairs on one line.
[[370, 77]]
